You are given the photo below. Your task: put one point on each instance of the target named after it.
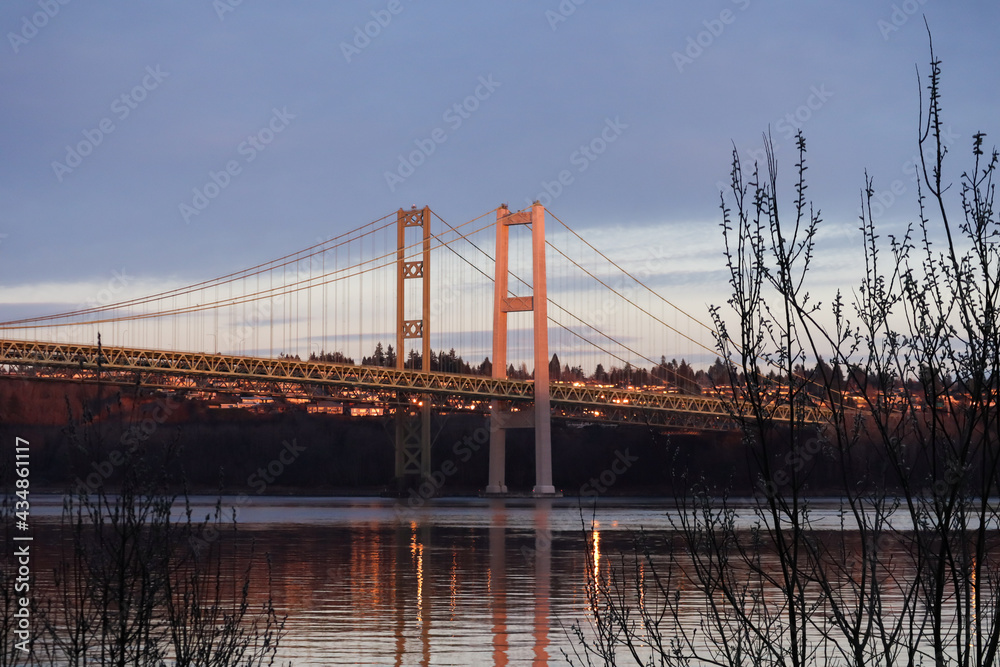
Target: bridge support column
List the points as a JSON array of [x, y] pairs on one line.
[[413, 422], [541, 418], [543, 410], [498, 452], [413, 442], [498, 433]]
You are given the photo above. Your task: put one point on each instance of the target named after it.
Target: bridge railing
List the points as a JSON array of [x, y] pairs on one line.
[[574, 401]]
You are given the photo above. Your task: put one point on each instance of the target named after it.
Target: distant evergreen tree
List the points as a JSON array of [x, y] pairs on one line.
[[600, 375], [555, 368], [330, 357], [686, 381], [718, 374]]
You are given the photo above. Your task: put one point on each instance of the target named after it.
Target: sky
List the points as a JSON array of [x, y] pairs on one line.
[[174, 142]]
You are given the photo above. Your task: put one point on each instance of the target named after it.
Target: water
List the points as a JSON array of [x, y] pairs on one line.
[[459, 582], [371, 581]]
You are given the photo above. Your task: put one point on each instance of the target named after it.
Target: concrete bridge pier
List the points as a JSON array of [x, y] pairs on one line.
[[501, 418]]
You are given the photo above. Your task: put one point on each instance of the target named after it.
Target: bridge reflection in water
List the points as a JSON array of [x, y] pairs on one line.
[[455, 581], [471, 582]]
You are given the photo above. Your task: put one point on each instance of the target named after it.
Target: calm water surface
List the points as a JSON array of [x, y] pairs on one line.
[[371, 581], [458, 582]]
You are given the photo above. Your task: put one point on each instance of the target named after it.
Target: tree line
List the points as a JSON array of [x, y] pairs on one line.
[[680, 375]]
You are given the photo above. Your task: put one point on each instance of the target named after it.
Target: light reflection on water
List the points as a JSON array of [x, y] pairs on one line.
[[457, 582], [454, 582]]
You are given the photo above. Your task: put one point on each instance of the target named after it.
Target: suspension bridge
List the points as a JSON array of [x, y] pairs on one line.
[[293, 326]]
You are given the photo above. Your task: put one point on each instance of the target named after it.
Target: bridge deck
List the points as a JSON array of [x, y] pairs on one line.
[[583, 402]]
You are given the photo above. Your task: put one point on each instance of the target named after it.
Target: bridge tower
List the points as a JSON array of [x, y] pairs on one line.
[[413, 420], [541, 417]]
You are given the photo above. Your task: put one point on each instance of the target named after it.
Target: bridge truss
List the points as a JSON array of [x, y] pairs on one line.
[[205, 372]]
